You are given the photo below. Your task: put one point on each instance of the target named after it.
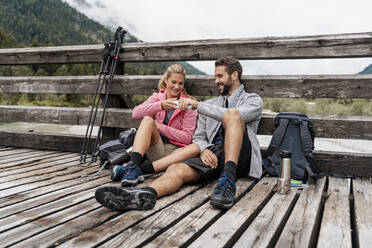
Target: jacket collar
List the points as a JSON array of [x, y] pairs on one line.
[[233, 99]]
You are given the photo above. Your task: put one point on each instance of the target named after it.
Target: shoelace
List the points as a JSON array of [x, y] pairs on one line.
[[128, 168], [224, 188]]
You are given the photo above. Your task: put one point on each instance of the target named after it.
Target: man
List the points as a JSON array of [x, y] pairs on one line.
[[226, 137]]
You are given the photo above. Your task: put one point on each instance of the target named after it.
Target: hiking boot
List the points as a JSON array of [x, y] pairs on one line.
[[224, 193], [121, 199], [118, 172], [132, 176]]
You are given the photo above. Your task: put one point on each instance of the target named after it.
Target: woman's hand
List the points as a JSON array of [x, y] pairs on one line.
[[158, 125], [209, 158], [169, 104], [184, 102]]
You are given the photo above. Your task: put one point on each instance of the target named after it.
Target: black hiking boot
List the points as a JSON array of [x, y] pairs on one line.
[[224, 193], [121, 199]]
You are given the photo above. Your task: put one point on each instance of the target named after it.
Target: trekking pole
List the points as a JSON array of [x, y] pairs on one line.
[[95, 103], [119, 38]]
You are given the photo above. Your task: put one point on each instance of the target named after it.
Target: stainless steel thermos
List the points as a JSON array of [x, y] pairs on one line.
[[283, 186]]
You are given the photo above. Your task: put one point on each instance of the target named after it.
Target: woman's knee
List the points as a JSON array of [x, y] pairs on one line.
[[148, 119], [147, 122], [193, 150]]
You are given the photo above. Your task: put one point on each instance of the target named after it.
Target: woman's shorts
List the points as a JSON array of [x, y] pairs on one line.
[[160, 150]]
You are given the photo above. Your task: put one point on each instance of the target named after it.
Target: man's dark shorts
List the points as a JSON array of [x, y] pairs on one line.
[[208, 173]]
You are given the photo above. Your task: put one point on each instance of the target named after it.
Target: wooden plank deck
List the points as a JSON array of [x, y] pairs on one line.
[[45, 202]]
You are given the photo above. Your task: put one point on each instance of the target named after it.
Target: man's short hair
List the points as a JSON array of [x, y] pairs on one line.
[[231, 64]]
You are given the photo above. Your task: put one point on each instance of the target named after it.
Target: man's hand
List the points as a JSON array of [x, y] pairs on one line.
[[209, 158], [169, 104], [184, 102]]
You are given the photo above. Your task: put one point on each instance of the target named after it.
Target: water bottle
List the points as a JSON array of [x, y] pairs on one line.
[[285, 173]]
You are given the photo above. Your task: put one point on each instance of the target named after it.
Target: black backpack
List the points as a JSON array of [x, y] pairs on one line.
[[116, 152], [294, 133]]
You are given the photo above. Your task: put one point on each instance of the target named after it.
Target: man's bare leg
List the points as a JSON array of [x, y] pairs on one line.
[[182, 154], [173, 178], [234, 130], [224, 194]]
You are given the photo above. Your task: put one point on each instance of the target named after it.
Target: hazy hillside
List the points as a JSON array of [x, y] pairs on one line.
[[54, 22], [367, 70]]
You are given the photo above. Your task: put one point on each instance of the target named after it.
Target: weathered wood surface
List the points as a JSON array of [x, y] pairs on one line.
[[65, 213], [277, 86], [144, 232], [177, 235], [265, 229], [57, 164], [324, 126], [301, 227], [335, 229], [27, 167], [222, 231], [363, 210], [300, 47]]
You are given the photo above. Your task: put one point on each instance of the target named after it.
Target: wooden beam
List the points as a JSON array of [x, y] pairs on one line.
[[47, 141], [277, 86], [295, 47], [63, 115], [353, 164], [324, 126], [357, 127]]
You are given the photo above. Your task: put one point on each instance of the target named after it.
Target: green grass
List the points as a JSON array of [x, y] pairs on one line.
[[321, 106]]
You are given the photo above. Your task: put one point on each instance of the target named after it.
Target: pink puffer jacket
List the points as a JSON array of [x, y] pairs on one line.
[[181, 126]]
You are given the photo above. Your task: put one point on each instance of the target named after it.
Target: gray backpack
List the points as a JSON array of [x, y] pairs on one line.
[[293, 133]]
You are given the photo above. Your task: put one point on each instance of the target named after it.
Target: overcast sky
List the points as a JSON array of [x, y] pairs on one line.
[[166, 20]]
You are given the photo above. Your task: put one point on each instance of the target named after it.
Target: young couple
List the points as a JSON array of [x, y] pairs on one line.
[[224, 144]]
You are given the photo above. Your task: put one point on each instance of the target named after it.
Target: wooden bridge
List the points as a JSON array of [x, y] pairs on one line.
[[45, 201]]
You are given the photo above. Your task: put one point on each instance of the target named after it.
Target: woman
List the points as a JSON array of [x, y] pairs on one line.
[[164, 129]]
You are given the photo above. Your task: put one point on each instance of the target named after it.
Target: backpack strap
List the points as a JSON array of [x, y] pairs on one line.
[[277, 138], [307, 148], [307, 143]]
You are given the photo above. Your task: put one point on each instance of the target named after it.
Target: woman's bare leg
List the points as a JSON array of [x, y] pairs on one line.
[[180, 155], [147, 135]]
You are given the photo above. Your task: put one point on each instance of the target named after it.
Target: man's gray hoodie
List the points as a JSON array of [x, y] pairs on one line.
[[249, 106]]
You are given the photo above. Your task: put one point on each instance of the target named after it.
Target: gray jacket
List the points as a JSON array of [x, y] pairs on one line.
[[250, 108]]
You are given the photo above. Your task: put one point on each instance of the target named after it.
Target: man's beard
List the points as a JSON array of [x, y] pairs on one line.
[[227, 87]]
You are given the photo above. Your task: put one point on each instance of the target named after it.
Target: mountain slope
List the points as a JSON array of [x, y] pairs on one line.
[[49, 21], [53, 22], [367, 70]]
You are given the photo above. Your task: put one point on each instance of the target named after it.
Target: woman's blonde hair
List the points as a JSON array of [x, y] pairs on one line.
[[175, 68]]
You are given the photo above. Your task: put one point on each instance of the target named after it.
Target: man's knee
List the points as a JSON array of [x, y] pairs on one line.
[[181, 171], [231, 117]]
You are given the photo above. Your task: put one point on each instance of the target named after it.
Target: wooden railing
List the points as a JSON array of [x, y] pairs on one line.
[[320, 86]]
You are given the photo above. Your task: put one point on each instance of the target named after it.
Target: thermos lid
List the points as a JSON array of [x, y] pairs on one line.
[[285, 154]]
